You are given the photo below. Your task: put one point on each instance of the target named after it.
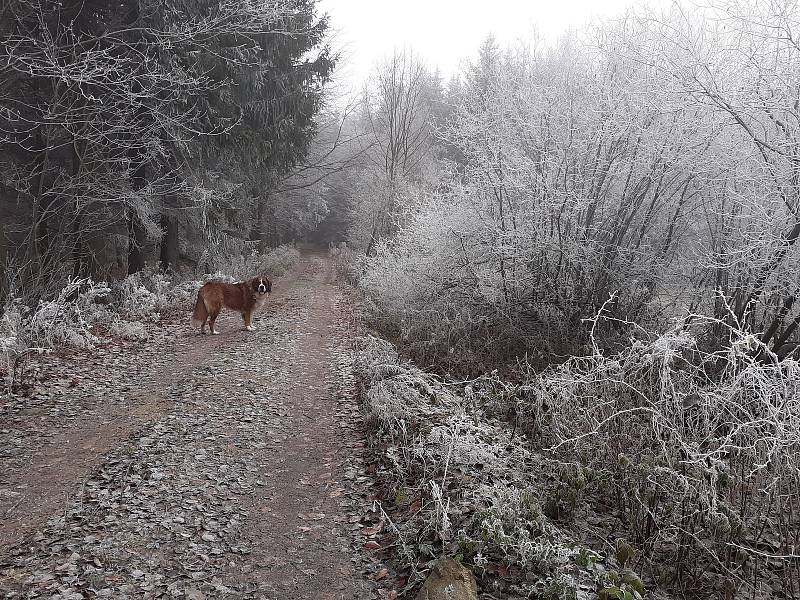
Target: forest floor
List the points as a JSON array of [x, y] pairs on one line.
[[194, 466]]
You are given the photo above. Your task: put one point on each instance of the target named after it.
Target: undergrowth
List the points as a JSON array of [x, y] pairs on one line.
[[662, 468], [85, 313], [455, 481]]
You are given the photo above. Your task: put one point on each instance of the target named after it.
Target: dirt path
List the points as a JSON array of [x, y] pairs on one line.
[[209, 467]]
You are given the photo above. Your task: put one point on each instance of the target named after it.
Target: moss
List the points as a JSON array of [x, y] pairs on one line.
[[402, 496], [560, 588]]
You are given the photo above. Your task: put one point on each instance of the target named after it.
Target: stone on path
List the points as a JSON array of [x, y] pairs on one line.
[[449, 580]]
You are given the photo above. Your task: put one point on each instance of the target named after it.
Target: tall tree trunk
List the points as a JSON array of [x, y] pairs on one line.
[[137, 237], [79, 266], [39, 242], [3, 262], [170, 243], [261, 230]]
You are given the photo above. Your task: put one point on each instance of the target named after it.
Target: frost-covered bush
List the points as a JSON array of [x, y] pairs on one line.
[[348, 263], [273, 263], [470, 487], [511, 525], [219, 276], [64, 321], [444, 304], [697, 452], [374, 354], [147, 294], [182, 294], [683, 452], [136, 301], [129, 330], [279, 260]]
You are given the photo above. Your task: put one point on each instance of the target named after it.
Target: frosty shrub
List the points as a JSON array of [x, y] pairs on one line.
[[219, 276], [348, 263], [139, 295], [67, 319], [64, 321], [697, 452], [129, 330], [688, 458], [150, 292], [279, 260], [455, 481], [446, 312], [182, 294], [246, 265], [513, 526]]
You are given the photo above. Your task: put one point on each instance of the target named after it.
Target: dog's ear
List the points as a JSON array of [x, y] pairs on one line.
[[254, 283]]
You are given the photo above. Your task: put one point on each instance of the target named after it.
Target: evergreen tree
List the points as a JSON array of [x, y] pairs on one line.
[[115, 117]]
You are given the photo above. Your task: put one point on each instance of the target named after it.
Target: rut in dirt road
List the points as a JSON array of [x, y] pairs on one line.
[[242, 487]]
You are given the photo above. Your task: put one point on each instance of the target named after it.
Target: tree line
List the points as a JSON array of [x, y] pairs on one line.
[[134, 131], [645, 168]]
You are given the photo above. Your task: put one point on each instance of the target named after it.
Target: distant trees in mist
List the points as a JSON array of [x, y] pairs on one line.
[[652, 159]]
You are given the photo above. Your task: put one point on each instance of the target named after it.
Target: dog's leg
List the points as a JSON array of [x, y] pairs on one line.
[[248, 318], [212, 318], [200, 313]]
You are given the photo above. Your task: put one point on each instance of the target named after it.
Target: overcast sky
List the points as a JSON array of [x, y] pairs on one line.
[[444, 32]]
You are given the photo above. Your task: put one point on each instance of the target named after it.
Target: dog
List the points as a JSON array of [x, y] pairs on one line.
[[244, 297]]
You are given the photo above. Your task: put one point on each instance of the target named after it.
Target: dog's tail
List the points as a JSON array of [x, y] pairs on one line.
[[200, 313]]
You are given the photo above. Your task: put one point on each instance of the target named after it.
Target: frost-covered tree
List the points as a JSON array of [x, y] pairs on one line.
[[652, 159], [397, 107], [126, 124]]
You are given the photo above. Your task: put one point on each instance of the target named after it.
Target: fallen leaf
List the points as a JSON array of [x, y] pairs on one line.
[[194, 594]]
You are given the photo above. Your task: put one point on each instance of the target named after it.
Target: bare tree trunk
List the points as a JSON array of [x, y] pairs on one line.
[[170, 242], [137, 238], [79, 262], [3, 263], [39, 217], [260, 232], [137, 235]]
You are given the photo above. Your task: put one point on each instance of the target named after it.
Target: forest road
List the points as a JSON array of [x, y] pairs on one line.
[[194, 466]]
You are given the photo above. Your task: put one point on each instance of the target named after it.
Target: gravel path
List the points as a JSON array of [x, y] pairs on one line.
[[222, 466]]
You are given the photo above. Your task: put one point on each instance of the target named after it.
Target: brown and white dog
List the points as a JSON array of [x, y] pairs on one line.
[[244, 297]]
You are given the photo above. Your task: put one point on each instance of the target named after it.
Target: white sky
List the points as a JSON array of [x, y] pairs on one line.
[[444, 32]]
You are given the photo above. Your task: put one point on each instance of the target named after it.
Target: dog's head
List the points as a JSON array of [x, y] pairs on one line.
[[261, 285]]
